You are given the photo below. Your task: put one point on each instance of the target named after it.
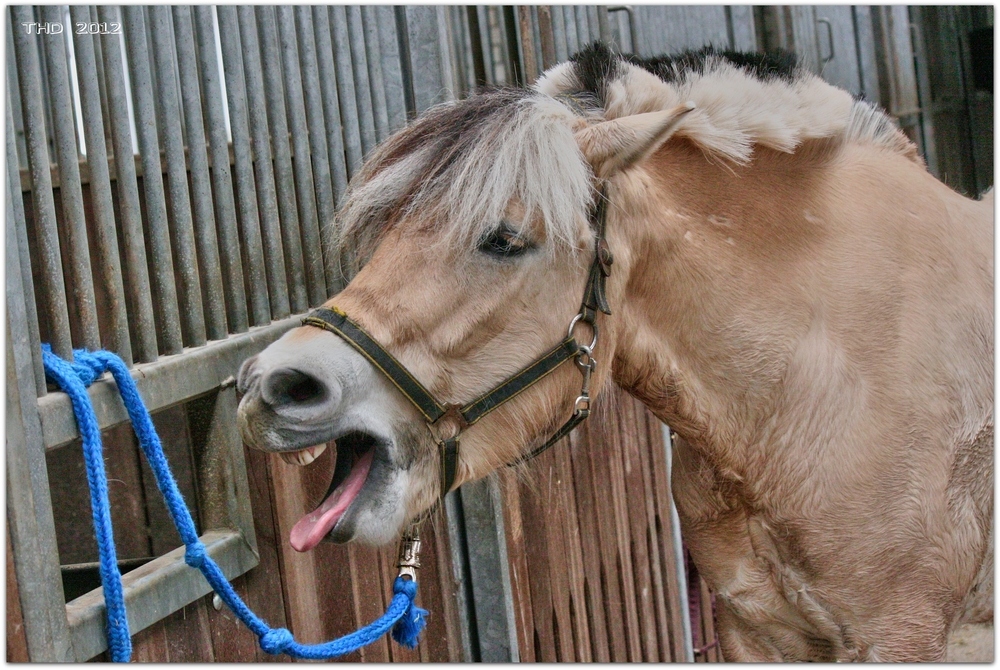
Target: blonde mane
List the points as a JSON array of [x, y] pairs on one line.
[[741, 100], [462, 163]]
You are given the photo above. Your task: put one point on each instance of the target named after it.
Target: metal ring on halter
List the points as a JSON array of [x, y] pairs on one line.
[[576, 320]]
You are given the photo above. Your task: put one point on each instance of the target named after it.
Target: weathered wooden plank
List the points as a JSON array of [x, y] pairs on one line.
[[613, 456], [292, 498], [573, 553], [705, 25], [518, 563], [442, 639], [17, 641], [554, 514], [189, 635], [587, 499], [369, 603], [611, 594], [150, 645], [261, 588], [538, 553], [636, 496], [653, 459], [172, 427]]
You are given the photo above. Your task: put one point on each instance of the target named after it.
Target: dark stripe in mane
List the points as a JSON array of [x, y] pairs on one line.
[[596, 65]]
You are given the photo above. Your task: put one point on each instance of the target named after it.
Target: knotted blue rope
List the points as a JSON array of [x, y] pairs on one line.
[[403, 617]]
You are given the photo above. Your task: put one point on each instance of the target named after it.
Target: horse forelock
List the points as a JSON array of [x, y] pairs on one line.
[[741, 99], [458, 167]]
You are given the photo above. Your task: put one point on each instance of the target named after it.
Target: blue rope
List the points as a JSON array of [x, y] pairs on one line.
[[403, 617]]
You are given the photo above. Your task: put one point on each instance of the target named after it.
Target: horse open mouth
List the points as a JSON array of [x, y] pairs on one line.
[[355, 453]]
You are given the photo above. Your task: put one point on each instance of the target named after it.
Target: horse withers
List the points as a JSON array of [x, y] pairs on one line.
[[789, 289]]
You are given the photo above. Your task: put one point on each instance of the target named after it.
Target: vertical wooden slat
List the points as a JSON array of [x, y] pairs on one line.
[[359, 70], [613, 462], [16, 219], [43, 67], [636, 496], [589, 499], [109, 263], [366, 588], [547, 37], [518, 561], [14, 99], [43, 205], [295, 489], [270, 225], [573, 554], [157, 226], [867, 60], [651, 455], [374, 56], [246, 196], [340, 100], [76, 255], [291, 237], [29, 505], [102, 86], [392, 75], [744, 32], [17, 642], [304, 188], [526, 32], [135, 271], [339, 97], [182, 226], [222, 185], [318, 138], [203, 215], [261, 588]]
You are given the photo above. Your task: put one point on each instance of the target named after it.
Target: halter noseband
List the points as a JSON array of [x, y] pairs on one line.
[[337, 322]]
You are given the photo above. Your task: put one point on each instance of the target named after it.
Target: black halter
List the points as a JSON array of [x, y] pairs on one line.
[[337, 322]]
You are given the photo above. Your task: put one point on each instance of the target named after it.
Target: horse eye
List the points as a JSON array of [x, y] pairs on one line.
[[504, 243]]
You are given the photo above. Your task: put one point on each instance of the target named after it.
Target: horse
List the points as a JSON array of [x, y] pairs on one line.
[[773, 272]]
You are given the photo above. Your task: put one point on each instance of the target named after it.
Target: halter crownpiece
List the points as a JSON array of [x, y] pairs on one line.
[[435, 413]]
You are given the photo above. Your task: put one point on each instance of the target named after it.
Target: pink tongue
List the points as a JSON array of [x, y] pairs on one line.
[[314, 526]]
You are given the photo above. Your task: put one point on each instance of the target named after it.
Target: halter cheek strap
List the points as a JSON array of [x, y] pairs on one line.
[[336, 321]]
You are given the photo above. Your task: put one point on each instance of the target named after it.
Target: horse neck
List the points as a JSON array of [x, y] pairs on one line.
[[708, 257]]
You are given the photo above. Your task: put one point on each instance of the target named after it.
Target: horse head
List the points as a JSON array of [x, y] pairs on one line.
[[475, 227]]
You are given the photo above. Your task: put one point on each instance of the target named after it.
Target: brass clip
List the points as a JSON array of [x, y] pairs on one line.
[[409, 555]]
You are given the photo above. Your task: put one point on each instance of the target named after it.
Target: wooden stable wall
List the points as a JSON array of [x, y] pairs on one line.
[[590, 545]]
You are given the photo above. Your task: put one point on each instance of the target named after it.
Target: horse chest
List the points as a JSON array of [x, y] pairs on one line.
[[755, 566]]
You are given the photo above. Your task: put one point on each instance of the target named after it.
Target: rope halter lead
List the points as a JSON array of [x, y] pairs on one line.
[[437, 413]]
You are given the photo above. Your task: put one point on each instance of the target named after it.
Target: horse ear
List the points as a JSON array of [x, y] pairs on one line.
[[614, 146]]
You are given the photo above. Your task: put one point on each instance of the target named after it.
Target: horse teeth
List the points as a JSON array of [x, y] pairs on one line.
[[303, 457]]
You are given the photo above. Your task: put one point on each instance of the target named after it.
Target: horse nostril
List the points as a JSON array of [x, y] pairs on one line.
[[304, 390], [289, 386]]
